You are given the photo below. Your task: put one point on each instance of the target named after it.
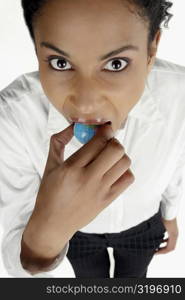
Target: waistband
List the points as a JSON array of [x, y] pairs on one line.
[[141, 226]]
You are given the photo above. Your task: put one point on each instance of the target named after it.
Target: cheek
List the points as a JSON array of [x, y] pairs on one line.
[[52, 87], [129, 94], [136, 89], [136, 84], [49, 89], [45, 80]]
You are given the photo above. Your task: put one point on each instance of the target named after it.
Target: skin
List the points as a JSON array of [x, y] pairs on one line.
[[86, 30]]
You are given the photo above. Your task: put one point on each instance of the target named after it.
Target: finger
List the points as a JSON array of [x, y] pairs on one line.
[[117, 170], [89, 151], [106, 159], [171, 243], [58, 142], [165, 240], [162, 251], [120, 185]]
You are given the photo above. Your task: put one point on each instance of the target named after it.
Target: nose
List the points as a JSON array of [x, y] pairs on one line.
[[88, 97]]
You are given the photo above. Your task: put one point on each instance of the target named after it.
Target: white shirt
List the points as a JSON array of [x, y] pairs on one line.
[[153, 137]]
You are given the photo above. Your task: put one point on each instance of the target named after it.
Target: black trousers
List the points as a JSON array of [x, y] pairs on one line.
[[133, 250]]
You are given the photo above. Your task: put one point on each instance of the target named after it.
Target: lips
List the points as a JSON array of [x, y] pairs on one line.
[[88, 122]]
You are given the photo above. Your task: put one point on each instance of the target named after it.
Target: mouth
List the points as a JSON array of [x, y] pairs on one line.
[[89, 122]]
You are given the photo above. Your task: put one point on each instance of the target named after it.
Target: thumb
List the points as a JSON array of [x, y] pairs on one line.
[[58, 141]]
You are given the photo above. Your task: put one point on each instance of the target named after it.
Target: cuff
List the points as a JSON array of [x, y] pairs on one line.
[[11, 249], [169, 212]]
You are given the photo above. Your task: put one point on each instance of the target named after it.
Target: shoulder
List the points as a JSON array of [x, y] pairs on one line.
[[167, 77], [24, 89], [162, 65], [24, 104], [167, 84]]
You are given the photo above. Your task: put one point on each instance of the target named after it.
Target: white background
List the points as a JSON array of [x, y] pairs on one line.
[[17, 56]]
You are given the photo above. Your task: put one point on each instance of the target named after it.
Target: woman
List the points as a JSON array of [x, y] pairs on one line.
[[97, 64]]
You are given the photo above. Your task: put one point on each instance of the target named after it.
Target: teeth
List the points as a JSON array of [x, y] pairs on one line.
[[81, 120]]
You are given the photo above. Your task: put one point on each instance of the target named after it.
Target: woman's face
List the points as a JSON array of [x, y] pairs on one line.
[[90, 81]]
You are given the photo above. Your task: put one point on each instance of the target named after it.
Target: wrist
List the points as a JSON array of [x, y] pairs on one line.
[[45, 242], [34, 263]]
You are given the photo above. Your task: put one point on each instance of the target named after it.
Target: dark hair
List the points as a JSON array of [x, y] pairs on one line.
[[156, 11]]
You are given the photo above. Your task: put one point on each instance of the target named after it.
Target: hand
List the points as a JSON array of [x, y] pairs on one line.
[[172, 229], [73, 192]]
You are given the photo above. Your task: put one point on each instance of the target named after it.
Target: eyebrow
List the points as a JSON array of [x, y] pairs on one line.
[[114, 52]]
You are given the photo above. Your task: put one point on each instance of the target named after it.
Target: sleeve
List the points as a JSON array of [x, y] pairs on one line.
[[19, 184], [174, 192]]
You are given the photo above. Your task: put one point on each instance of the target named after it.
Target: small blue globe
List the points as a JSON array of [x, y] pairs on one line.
[[84, 133]]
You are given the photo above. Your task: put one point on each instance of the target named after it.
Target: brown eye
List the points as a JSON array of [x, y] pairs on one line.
[[117, 64]]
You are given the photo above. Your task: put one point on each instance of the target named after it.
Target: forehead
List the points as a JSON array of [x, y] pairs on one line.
[[94, 22]]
